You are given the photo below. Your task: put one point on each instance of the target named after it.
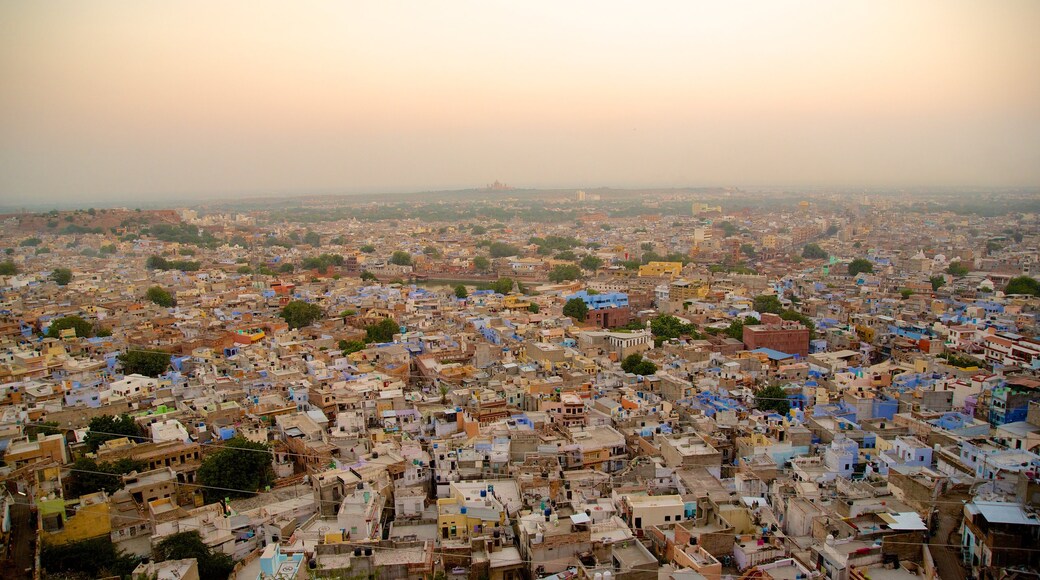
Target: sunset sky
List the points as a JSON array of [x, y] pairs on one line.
[[145, 100]]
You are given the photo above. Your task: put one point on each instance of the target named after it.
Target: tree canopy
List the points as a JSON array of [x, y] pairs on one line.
[[502, 250], [460, 291], [107, 427], [860, 265], [299, 314], [576, 309], [772, 398], [1023, 285], [481, 263], [151, 363], [401, 258], [83, 328], [666, 326], [240, 464], [90, 476], [61, 276], [637, 365], [565, 272], [382, 331], [8, 268], [957, 269], [213, 564], [814, 252], [160, 296], [767, 303]]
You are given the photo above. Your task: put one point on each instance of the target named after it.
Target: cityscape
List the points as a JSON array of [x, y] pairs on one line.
[[483, 291]]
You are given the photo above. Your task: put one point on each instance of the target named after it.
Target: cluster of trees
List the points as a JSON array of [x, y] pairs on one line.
[[502, 250], [666, 326], [161, 263], [321, 263], [89, 475], [860, 265], [401, 258], [500, 286], [151, 363], [1023, 285], [957, 269], [814, 252], [637, 365], [160, 296], [481, 263], [8, 268], [772, 398], [550, 244], [962, 361], [298, 314], [180, 233], [576, 309], [83, 328], [382, 331], [107, 427], [240, 468], [61, 276], [564, 273], [351, 346]]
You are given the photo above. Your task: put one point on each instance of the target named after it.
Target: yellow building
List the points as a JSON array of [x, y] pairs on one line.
[[459, 516], [515, 302], [659, 269], [89, 519]]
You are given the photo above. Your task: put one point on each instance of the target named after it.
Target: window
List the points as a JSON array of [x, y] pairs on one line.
[[668, 518]]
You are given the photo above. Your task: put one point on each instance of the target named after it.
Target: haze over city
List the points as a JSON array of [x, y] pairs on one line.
[[113, 101]]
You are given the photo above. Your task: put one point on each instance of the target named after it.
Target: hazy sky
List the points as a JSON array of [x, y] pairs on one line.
[[140, 99]]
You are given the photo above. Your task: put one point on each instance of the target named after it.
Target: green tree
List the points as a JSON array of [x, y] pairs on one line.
[[1023, 285], [937, 281], [432, 252], [591, 262], [576, 309], [382, 331], [8, 268], [814, 252], [503, 285], [312, 239], [481, 263], [460, 292], [241, 465], [351, 346], [286, 268], [107, 249], [637, 365], [748, 250], [957, 269], [30, 242], [906, 293], [767, 303], [151, 363], [502, 250], [89, 476], [401, 258], [96, 558], [565, 272], [478, 230], [533, 308], [160, 296], [213, 564], [244, 269], [83, 328], [107, 427], [666, 326], [860, 265], [299, 314], [367, 276], [772, 398], [368, 249], [61, 276]]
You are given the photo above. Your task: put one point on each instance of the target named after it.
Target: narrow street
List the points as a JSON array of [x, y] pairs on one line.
[[23, 543], [947, 558]]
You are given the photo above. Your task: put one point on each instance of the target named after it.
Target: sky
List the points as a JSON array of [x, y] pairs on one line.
[[159, 101]]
